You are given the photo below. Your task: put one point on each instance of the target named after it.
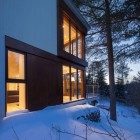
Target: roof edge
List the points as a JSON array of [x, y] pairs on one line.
[[77, 13]]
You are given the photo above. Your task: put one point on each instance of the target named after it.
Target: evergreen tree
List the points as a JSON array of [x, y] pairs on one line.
[[102, 15], [99, 74], [122, 70], [120, 91], [131, 33], [112, 23], [137, 78]]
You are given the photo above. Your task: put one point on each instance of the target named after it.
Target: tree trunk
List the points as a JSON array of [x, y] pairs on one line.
[[110, 63]]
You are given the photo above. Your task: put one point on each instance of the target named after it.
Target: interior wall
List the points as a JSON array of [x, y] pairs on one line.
[[22, 96]]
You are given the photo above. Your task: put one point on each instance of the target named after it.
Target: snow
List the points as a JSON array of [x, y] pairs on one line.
[[43, 124]]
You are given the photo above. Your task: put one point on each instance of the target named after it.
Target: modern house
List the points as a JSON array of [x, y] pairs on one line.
[[42, 54]]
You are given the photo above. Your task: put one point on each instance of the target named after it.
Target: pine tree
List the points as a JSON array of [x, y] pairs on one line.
[[112, 23], [120, 91], [99, 77], [100, 15]]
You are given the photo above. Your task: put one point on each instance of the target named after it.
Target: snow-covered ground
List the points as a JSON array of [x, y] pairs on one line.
[[45, 124]]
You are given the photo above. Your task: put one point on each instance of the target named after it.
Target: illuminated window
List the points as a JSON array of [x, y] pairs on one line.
[[73, 84], [80, 84], [16, 85], [15, 65], [15, 97], [66, 84], [72, 38], [66, 31]]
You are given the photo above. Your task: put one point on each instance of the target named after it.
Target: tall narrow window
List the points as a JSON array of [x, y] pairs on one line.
[[73, 40], [80, 84], [80, 44], [74, 83], [16, 87], [66, 83], [66, 37]]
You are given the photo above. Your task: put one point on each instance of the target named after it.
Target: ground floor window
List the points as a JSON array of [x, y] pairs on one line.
[[15, 81], [73, 83], [15, 97]]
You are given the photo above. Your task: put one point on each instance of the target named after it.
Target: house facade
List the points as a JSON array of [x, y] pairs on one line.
[[42, 53]]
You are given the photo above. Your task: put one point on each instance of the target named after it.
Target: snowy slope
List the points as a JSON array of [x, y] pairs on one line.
[[43, 125]]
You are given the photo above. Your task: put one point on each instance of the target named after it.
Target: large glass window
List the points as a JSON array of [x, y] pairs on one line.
[[16, 85], [73, 84], [72, 38], [15, 65]]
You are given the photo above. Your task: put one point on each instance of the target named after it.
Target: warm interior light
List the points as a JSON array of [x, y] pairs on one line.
[[72, 79]]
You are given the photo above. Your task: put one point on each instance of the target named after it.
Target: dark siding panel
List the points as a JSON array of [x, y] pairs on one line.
[[43, 84]]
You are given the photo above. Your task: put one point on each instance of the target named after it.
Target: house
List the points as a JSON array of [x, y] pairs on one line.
[[42, 54]]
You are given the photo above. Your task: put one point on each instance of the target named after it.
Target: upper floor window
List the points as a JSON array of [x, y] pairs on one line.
[[72, 38]]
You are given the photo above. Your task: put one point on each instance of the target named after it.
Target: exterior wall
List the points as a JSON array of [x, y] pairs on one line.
[[43, 75], [31, 21], [2, 76], [44, 82]]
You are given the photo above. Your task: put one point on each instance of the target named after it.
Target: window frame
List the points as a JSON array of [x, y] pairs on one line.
[[72, 23], [12, 80]]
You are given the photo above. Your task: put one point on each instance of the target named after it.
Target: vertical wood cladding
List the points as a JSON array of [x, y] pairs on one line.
[[44, 85]]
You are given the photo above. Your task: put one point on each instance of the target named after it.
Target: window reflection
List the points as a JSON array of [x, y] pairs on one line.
[[80, 44], [80, 84], [15, 65], [73, 40]]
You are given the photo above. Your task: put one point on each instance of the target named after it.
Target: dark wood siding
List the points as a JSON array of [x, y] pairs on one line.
[[44, 85]]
